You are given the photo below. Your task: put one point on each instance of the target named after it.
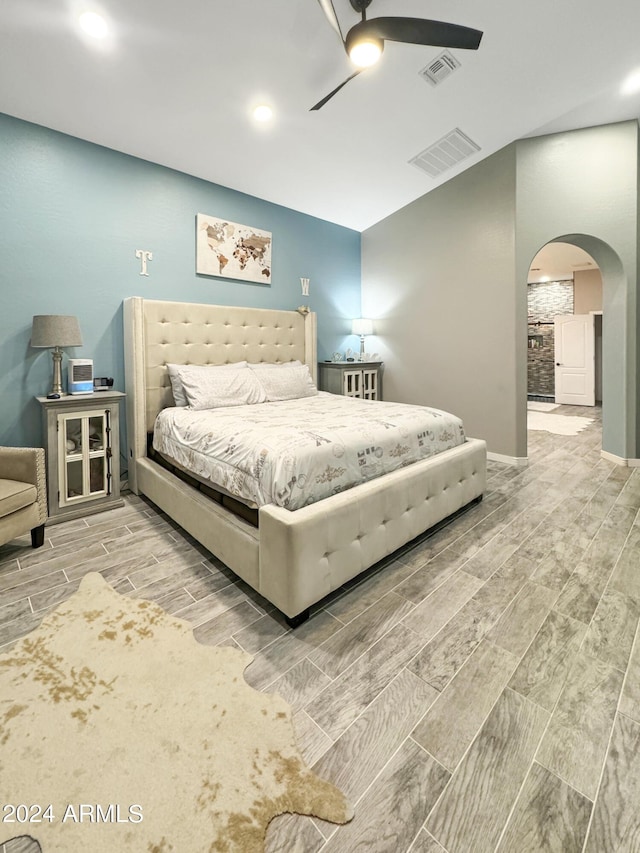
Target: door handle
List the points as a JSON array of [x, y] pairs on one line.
[[558, 364]]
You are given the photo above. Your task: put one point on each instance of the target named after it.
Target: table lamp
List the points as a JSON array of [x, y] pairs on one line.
[[55, 331], [362, 327]]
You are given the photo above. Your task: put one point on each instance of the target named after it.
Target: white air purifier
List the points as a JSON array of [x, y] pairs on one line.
[[80, 376]]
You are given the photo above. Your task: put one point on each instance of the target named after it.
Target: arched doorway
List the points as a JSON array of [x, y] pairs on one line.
[[564, 282], [618, 393]]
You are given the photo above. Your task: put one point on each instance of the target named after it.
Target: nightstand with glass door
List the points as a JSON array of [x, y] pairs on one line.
[[82, 434], [362, 379]]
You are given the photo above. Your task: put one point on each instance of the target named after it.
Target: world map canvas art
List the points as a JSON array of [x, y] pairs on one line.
[[231, 250]]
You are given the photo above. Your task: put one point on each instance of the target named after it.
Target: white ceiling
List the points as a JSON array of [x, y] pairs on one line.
[[559, 262], [175, 83]]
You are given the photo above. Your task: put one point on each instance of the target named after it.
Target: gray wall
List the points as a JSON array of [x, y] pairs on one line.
[[449, 275], [440, 273], [582, 187], [587, 286]]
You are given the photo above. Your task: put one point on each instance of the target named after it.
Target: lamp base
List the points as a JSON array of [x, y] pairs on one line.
[[361, 347], [56, 386]]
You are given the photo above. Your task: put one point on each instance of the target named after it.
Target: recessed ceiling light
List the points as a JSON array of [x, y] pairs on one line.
[[94, 25], [632, 84], [263, 112]]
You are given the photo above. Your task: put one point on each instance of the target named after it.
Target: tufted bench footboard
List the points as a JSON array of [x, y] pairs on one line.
[[306, 554]]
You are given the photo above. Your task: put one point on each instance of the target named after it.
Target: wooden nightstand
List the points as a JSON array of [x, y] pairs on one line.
[[82, 434], [351, 378]]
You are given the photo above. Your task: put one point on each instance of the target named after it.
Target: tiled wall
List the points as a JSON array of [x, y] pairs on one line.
[[540, 363], [545, 300], [549, 298]]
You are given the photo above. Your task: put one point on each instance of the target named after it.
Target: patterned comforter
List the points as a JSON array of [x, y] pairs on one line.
[[297, 452]]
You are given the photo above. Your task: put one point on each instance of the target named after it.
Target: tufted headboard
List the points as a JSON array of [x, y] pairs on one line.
[[157, 333]]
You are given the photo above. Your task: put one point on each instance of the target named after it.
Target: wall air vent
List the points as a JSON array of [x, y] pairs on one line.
[[439, 68], [445, 153]]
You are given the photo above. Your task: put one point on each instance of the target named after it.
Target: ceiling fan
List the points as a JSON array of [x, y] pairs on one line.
[[365, 40]]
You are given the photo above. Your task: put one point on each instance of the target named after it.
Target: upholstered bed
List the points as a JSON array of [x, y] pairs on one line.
[[293, 558]]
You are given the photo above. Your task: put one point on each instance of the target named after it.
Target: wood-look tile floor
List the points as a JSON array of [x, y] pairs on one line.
[[479, 691]]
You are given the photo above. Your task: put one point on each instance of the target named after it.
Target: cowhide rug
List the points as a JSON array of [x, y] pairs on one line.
[[539, 406], [558, 424], [120, 733]]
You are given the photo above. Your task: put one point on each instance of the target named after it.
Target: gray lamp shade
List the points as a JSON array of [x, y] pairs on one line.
[[55, 330]]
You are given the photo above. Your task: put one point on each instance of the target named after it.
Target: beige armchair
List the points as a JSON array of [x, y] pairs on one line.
[[23, 493]]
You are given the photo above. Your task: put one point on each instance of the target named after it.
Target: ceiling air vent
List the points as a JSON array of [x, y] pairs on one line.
[[440, 68], [445, 153]]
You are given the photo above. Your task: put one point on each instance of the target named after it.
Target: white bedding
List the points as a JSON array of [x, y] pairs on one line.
[[297, 452]]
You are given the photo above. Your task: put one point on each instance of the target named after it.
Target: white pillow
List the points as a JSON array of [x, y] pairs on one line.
[[205, 388], [283, 382], [176, 383]]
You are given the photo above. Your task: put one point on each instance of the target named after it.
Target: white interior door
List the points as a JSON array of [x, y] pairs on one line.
[[575, 359]]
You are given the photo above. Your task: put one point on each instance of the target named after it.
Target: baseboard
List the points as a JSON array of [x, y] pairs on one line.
[[518, 461], [619, 460]]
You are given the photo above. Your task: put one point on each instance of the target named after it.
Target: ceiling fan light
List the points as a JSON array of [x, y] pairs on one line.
[[366, 52], [93, 25]]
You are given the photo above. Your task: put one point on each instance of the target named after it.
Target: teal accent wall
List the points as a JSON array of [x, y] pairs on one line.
[[72, 215]]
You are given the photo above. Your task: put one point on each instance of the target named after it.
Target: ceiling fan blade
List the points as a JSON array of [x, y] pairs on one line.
[[416, 31], [337, 89], [330, 14]]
